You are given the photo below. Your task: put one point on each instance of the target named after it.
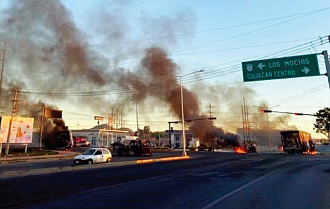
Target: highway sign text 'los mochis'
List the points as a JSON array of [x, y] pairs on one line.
[[280, 68]]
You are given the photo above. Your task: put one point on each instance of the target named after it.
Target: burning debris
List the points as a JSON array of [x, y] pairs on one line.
[[240, 150]]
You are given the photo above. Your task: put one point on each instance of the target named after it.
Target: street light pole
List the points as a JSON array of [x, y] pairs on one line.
[[3, 65], [269, 140], [137, 118], [184, 153]]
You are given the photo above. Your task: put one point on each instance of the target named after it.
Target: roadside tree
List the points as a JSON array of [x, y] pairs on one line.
[[322, 122]]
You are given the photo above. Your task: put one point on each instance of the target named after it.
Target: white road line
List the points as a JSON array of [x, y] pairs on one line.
[[211, 205]]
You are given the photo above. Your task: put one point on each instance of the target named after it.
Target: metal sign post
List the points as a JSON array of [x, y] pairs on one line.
[[327, 65]]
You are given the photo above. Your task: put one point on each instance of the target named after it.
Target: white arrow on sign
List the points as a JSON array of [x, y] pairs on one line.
[[306, 70], [261, 66]]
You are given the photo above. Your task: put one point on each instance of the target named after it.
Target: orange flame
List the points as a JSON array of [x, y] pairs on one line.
[[313, 152], [310, 152], [240, 150]]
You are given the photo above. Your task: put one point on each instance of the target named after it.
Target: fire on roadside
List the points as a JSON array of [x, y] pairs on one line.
[[310, 152], [240, 150]]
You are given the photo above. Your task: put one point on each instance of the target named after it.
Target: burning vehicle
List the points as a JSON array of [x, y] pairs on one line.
[[63, 140], [203, 147], [297, 142], [132, 148], [251, 147], [246, 147]]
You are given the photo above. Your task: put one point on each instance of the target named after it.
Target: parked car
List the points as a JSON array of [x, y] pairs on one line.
[[93, 155], [80, 142]]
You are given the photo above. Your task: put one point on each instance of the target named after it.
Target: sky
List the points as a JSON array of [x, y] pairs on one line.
[[215, 36]]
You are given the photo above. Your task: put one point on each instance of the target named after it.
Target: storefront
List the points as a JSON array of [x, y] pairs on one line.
[[102, 137]]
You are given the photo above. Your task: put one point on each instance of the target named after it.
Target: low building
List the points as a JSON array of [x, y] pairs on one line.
[[102, 137], [176, 139]]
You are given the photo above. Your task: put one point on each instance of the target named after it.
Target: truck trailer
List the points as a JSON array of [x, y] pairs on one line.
[[296, 141]]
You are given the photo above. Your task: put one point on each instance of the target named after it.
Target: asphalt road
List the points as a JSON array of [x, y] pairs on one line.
[[60, 163], [208, 180], [51, 163]]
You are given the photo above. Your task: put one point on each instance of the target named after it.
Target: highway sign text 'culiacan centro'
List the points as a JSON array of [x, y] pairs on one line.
[[280, 68]]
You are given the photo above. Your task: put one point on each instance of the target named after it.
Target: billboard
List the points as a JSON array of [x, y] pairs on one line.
[[51, 113], [21, 130]]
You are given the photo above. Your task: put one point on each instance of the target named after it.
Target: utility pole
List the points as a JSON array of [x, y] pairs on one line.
[[3, 64], [118, 119], [243, 119], [210, 109], [42, 125], [113, 120], [13, 113], [121, 118], [248, 124], [137, 119]]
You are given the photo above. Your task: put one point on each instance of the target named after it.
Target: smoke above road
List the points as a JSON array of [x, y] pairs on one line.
[[47, 52]]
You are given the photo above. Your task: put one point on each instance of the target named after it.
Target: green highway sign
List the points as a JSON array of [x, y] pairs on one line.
[[280, 68]]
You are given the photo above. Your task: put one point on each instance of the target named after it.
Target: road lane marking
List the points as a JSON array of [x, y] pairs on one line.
[[214, 203]]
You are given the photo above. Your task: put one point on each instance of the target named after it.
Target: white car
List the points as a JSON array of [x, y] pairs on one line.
[[93, 155]]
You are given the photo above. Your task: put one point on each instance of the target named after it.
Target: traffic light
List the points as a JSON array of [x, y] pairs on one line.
[[266, 111], [299, 113]]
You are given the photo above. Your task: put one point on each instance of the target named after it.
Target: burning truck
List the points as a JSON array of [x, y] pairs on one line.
[[297, 142], [57, 135]]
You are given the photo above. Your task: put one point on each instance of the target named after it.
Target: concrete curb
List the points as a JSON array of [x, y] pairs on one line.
[[27, 159], [21, 173]]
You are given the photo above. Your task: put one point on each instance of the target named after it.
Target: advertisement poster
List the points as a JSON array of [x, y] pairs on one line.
[[21, 130]]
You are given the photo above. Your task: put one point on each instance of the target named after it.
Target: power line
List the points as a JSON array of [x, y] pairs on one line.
[[299, 95], [252, 31], [171, 82], [203, 31], [232, 37]]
